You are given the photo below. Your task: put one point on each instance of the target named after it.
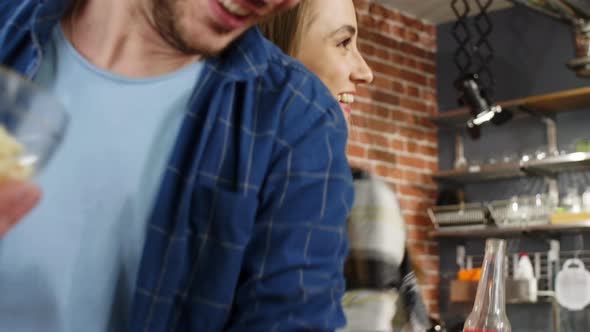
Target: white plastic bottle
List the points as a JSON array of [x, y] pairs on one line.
[[524, 271]]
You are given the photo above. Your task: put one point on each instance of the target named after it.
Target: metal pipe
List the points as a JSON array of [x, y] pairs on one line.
[[551, 136]]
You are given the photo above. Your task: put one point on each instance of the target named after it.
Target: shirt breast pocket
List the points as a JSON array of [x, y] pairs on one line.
[[221, 223]]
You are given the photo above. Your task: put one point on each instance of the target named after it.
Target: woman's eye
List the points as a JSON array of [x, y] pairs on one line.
[[345, 43]]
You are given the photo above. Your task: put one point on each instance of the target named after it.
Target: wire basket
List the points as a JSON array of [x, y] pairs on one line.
[[458, 215]]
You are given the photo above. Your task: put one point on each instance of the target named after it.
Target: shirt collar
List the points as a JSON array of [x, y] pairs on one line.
[[245, 58]]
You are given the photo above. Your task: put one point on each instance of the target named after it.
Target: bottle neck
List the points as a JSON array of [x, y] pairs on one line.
[[490, 296]]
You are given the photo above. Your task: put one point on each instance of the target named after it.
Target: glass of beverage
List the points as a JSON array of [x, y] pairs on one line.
[[32, 124]]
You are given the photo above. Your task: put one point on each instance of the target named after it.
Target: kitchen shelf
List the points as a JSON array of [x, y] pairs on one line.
[[517, 292], [489, 231], [566, 100], [553, 165], [484, 172], [546, 167]]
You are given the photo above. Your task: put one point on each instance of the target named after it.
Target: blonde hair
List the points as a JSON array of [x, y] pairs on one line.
[[286, 28]]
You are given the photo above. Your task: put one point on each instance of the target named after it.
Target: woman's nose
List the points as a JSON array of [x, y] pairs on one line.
[[362, 73]]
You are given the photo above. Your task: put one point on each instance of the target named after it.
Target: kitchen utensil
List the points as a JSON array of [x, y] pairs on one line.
[[572, 285]]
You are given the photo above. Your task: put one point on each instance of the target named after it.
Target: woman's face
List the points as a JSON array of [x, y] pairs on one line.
[[329, 49]]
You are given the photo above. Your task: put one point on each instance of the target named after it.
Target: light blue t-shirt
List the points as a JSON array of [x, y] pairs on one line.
[[71, 265]]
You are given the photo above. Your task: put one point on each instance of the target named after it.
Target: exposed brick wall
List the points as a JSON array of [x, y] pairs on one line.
[[391, 132]]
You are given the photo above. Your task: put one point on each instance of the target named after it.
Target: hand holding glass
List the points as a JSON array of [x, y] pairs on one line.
[[32, 123]]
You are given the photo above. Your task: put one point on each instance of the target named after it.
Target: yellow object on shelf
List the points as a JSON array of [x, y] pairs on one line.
[[567, 217]]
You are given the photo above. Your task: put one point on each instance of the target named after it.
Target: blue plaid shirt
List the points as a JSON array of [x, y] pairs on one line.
[[248, 232]]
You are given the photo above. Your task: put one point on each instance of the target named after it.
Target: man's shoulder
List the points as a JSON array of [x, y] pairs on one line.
[[16, 12], [253, 58], [285, 70]]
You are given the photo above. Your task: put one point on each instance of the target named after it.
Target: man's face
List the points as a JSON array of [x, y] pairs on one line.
[[206, 27]]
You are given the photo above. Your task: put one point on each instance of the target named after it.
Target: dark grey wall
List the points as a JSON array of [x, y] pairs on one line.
[[530, 55]]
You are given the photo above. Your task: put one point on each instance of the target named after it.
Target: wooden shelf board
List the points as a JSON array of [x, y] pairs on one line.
[[566, 100], [546, 167], [488, 231]]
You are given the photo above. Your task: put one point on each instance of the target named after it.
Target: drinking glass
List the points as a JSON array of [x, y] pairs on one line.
[[32, 124]]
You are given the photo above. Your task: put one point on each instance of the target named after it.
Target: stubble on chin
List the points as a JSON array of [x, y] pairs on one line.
[[174, 22], [167, 17]]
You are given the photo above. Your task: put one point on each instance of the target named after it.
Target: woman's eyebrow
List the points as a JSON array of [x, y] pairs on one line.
[[345, 28]]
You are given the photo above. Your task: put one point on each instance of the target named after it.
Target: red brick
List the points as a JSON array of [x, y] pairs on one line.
[[430, 56], [388, 172], [430, 263], [412, 22], [417, 249], [429, 151], [411, 133], [415, 191], [411, 36], [432, 82], [433, 109], [383, 68], [428, 42], [430, 29], [416, 105], [384, 97], [363, 91], [399, 87], [379, 125], [418, 235], [412, 147], [411, 63], [381, 111], [356, 150], [419, 221], [397, 145], [413, 91], [378, 10], [412, 49], [358, 120], [397, 31], [419, 178], [432, 307], [427, 68], [382, 156], [430, 96], [359, 163], [413, 205], [413, 77], [377, 38], [430, 279], [366, 21], [361, 5], [430, 294], [398, 58], [400, 116], [387, 83], [374, 139], [432, 166], [366, 49]]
